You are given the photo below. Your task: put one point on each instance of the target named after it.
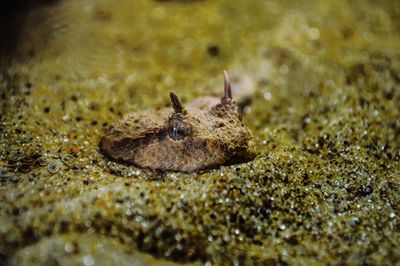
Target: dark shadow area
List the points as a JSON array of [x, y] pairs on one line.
[[12, 18]]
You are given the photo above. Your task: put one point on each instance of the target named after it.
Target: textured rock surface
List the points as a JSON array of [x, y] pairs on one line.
[[322, 89]]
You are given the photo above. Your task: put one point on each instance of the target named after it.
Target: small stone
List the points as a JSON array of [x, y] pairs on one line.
[[354, 221], [66, 118], [267, 96], [213, 50], [54, 166], [69, 247], [313, 33], [88, 260], [365, 190]]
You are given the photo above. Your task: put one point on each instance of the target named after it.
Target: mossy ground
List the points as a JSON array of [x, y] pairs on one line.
[[324, 110]]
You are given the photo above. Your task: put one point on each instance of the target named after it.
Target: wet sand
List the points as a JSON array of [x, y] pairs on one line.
[[320, 88]]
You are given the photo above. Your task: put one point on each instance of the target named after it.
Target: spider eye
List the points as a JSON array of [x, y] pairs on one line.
[[177, 129]]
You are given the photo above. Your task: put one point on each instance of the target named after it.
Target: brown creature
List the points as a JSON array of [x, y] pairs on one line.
[[207, 133]]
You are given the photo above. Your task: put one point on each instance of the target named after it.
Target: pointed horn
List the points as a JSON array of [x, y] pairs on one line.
[[176, 104], [227, 88]]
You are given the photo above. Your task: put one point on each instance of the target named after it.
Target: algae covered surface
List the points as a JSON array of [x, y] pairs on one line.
[[319, 84]]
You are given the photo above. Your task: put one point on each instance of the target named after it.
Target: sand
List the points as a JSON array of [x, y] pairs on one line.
[[319, 84]]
